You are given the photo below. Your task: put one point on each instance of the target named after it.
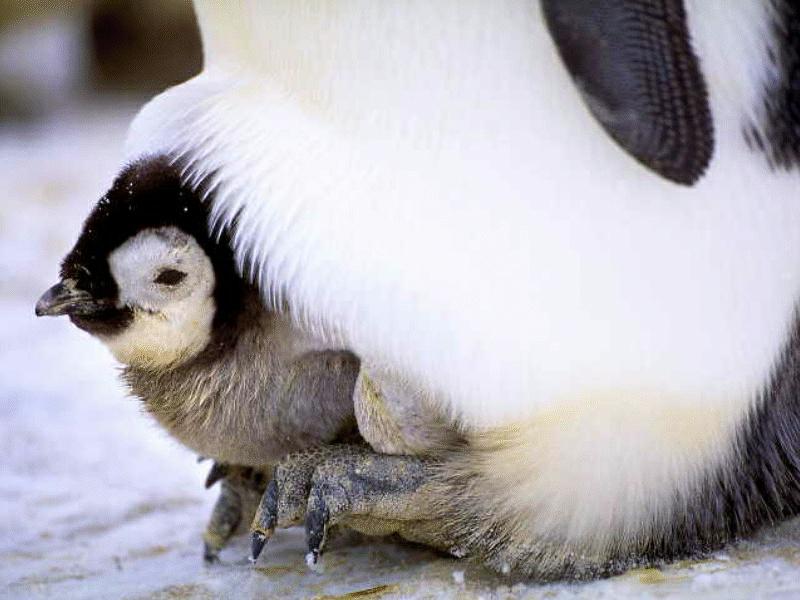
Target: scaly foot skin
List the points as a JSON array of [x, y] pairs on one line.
[[375, 494], [240, 490]]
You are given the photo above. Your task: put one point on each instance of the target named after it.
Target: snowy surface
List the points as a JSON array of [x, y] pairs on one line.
[[96, 502]]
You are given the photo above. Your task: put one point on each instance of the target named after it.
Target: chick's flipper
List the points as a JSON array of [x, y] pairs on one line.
[[351, 485], [240, 491]]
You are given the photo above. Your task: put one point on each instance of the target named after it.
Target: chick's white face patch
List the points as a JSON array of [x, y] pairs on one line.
[[167, 279]]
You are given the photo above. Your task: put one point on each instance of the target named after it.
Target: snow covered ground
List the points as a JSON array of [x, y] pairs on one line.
[[96, 502]]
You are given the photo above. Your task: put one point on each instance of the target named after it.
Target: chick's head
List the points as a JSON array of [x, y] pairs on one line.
[[146, 277]]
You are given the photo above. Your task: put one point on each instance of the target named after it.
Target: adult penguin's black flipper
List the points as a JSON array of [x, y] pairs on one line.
[[634, 65]]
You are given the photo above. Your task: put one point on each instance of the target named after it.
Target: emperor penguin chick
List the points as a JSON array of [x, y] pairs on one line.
[[229, 378]]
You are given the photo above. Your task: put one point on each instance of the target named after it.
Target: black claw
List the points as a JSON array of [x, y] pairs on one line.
[[209, 554], [316, 523], [312, 558], [265, 520], [257, 544], [218, 471]]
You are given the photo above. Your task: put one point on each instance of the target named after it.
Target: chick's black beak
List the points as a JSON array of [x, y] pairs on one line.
[[65, 299]]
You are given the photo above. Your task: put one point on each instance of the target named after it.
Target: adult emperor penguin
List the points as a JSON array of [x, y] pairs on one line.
[[571, 227]]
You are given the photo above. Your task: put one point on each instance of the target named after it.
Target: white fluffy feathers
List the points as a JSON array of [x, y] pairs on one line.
[[423, 181]]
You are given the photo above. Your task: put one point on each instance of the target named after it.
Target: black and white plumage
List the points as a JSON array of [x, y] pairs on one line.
[[422, 183], [635, 66]]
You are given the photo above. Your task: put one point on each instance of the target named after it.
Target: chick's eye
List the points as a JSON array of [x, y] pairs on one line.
[[170, 277]]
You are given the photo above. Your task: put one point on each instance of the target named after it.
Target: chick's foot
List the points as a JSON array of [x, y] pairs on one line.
[[350, 485], [240, 491]]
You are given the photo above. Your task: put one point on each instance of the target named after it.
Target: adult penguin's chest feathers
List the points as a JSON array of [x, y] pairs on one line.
[[398, 185]]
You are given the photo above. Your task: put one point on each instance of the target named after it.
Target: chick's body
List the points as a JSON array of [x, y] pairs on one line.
[[224, 373], [260, 389], [227, 375]]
